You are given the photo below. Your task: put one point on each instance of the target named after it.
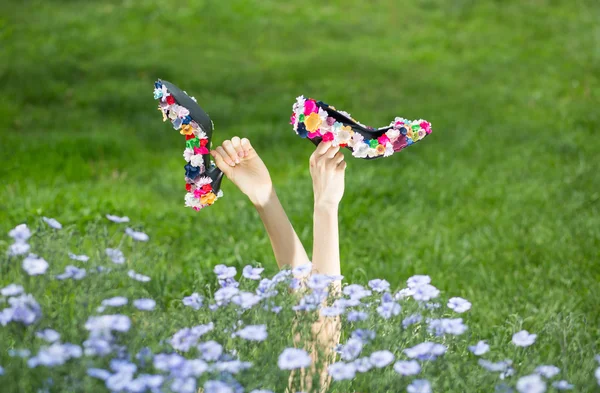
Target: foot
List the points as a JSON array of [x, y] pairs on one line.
[[241, 164]]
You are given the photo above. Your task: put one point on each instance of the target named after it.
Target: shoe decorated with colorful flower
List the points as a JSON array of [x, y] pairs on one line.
[[318, 122], [203, 178]]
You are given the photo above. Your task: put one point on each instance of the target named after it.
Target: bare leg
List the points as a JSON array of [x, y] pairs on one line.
[[241, 164], [327, 167]]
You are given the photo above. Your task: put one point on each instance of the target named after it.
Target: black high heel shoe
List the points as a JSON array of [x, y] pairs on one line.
[[203, 178], [318, 122]]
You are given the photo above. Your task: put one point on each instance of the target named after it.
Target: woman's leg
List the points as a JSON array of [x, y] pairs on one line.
[[241, 164], [327, 168]]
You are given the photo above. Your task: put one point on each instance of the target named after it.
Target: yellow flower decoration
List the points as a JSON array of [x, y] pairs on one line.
[[409, 134], [380, 149], [163, 113], [186, 129], [208, 199], [312, 122]]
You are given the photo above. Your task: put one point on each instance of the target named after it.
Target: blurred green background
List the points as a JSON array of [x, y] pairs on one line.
[[499, 205]]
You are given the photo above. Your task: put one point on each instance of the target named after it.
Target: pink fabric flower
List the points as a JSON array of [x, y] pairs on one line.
[[198, 192], [400, 143], [310, 106], [200, 150], [315, 134], [328, 137], [293, 118], [426, 126], [398, 124], [330, 121], [383, 139]]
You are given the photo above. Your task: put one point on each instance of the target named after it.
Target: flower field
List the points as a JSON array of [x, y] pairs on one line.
[[97, 323], [499, 205]]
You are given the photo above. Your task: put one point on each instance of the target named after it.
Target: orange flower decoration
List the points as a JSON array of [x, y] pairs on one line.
[[312, 122], [380, 149], [186, 129], [208, 199]]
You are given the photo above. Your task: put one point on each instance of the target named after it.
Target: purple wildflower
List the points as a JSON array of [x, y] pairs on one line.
[[495, 367], [12, 290], [80, 258], [340, 371], [562, 385], [318, 281], [102, 326], [194, 301], [252, 273], [55, 355], [168, 362], [144, 304], [379, 285], [411, 320], [20, 233], [138, 236], [246, 300], [266, 288], [523, 338], [96, 346], [293, 358], [356, 291], [352, 349], [34, 265], [362, 365], [24, 309], [224, 295], [302, 270], [52, 223], [225, 272], [210, 350], [547, 371], [115, 255], [217, 387], [480, 348], [232, 366], [443, 326], [425, 351], [72, 272], [355, 316], [459, 305], [531, 384], [418, 281], [98, 373], [48, 335], [253, 333], [18, 249], [425, 292], [117, 219], [388, 310], [381, 359], [363, 335], [419, 386], [137, 276], [410, 367]]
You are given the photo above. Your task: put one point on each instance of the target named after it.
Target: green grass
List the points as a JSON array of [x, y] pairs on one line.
[[499, 205]]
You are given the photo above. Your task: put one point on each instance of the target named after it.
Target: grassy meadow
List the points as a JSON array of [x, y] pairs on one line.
[[500, 205]]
